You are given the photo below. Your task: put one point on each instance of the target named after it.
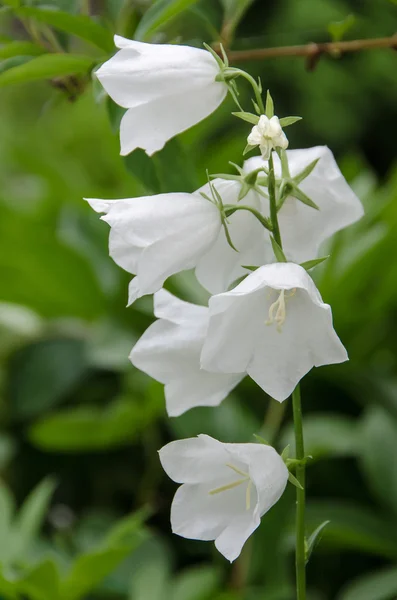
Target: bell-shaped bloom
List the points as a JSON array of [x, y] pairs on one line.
[[226, 489], [157, 236], [273, 325], [221, 266], [169, 351], [268, 135], [165, 89], [302, 227]]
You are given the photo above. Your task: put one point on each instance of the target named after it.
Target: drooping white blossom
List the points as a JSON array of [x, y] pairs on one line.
[[165, 89], [157, 236], [221, 265], [302, 227], [268, 135], [273, 325], [169, 351], [226, 489]]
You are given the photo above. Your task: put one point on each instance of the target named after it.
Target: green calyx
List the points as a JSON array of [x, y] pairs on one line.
[[254, 180]]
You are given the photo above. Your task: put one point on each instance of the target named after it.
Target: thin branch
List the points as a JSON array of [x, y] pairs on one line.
[[313, 50]]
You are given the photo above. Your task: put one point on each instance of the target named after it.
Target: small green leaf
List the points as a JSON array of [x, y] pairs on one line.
[[279, 254], [47, 66], [269, 108], [20, 49], [314, 539], [159, 13], [302, 197], [246, 116], [285, 453], [250, 267], [309, 264], [285, 121], [41, 582], [78, 25], [338, 29], [306, 171], [292, 479]]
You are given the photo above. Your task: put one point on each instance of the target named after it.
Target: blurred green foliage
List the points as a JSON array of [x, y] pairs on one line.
[[84, 505]]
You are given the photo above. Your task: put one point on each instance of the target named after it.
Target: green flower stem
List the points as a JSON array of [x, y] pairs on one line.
[[230, 209], [300, 556], [257, 91], [273, 201]]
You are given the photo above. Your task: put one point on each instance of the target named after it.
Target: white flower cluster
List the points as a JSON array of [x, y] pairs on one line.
[[272, 326]]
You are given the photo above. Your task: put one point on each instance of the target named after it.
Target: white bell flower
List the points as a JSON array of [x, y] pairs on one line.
[[273, 325], [226, 489], [169, 351], [302, 227], [268, 134], [221, 265], [157, 236], [165, 89]]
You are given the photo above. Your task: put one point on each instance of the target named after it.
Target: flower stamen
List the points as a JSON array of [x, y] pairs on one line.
[[279, 307]]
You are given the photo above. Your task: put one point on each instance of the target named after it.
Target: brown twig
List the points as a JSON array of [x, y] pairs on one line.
[[313, 50]]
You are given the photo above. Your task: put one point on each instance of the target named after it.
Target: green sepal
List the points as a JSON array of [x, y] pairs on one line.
[[314, 540], [261, 440], [236, 282], [269, 108], [306, 171], [248, 148], [246, 116], [309, 264], [228, 176], [257, 108], [218, 59], [250, 267], [278, 252], [301, 196], [285, 453], [292, 479], [285, 121], [230, 209]]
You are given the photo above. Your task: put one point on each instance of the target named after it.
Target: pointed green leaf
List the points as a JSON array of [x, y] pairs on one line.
[[285, 453], [269, 108], [306, 171], [285, 121], [338, 29], [301, 196], [47, 66], [309, 264], [278, 253], [292, 479], [314, 539], [249, 267], [80, 26], [41, 582], [158, 15], [246, 116], [20, 49]]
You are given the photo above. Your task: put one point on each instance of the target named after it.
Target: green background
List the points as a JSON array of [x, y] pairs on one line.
[[84, 504]]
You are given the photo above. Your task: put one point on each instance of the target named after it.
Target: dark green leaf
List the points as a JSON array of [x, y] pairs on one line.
[[314, 539], [44, 373], [15, 61], [278, 253], [92, 428], [47, 66], [380, 585], [81, 26], [158, 15], [41, 583]]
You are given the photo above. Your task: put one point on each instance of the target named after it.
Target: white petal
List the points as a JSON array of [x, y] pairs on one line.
[[198, 388], [100, 206], [173, 309], [255, 137], [222, 265], [238, 338], [303, 228], [140, 73], [151, 125], [194, 460], [232, 539]]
